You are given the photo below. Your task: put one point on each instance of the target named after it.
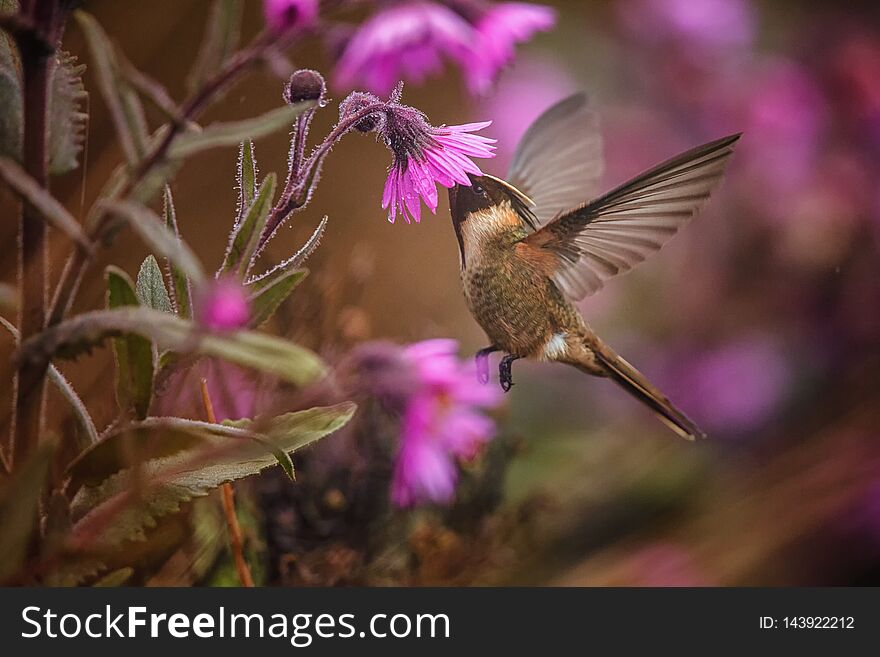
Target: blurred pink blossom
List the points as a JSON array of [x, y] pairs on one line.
[[781, 110], [499, 29], [690, 23], [282, 15], [442, 422], [734, 388], [529, 88], [404, 41], [222, 305]]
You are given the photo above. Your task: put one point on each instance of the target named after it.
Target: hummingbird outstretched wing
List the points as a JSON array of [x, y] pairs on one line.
[[616, 231], [558, 162]]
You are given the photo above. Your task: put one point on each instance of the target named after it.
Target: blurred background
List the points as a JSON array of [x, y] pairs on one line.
[[761, 320]]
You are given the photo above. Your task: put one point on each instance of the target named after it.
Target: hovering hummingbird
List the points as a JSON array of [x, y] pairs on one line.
[[532, 246]]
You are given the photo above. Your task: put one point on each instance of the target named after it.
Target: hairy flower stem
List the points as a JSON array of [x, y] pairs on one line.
[[300, 183], [236, 543], [36, 47]]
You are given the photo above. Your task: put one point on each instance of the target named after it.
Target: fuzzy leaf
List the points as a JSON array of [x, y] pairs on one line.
[[135, 358], [156, 235], [10, 90], [46, 204], [266, 300], [161, 437], [168, 332], [122, 101], [81, 413], [181, 290], [110, 513], [150, 286], [67, 121], [246, 235], [11, 116], [220, 40], [19, 502], [246, 179], [232, 133]]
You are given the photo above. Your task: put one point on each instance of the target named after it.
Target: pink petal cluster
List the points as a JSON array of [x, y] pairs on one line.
[[409, 40], [222, 305], [445, 159], [502, 27], [442, 422], [283, 15], [406, 40]]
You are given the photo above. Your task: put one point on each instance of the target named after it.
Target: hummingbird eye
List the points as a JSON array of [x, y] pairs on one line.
[[478, 189]]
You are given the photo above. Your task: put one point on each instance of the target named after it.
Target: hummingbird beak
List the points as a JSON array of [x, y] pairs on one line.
[[513, 190]]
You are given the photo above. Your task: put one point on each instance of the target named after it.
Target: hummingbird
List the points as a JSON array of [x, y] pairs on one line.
[[534, 244]]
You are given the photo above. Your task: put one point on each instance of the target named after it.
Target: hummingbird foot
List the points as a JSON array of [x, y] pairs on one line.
[[482, 359], [505, 373]]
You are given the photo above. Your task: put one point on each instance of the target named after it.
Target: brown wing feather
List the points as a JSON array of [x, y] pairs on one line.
[[558, 162], [613, 233]]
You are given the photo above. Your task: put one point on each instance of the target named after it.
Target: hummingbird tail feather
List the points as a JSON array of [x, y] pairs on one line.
[[635, 383]]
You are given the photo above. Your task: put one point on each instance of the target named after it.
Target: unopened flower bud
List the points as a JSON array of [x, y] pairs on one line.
[[305, 84]]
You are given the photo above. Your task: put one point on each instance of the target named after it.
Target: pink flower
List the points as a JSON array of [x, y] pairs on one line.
[[222, 305], [404, 41], [425, 156], [499, 29], [707, 23], [283, 15], [441, 423]]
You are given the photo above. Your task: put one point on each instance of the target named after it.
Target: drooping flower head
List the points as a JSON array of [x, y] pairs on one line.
[[499, 29], [222, 305], [404, 41], [283, 15], [441, 409], [423, 155]]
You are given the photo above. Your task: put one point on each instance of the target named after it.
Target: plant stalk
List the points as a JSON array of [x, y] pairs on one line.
[[236, 543], [45, 20]]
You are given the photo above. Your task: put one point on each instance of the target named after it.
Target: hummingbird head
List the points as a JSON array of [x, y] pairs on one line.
[[487, 203]]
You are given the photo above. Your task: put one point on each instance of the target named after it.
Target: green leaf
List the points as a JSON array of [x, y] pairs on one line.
[[220, 40], [180, 285], [246, 179], [247, 348], [246, 236], [67, 121], [161, 437], [19, 504], [158, 237], [233, 133], [112, 512], [135, 357], [83, 419], [46, 204], [122, 101], [10, 90], [266, 300], [150, 286], [11, 122]]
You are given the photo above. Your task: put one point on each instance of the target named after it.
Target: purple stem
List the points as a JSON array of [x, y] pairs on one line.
[[300, 184]]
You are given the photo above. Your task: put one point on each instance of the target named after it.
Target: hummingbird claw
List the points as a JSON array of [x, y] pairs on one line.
[[505, 373], [482, 359]]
